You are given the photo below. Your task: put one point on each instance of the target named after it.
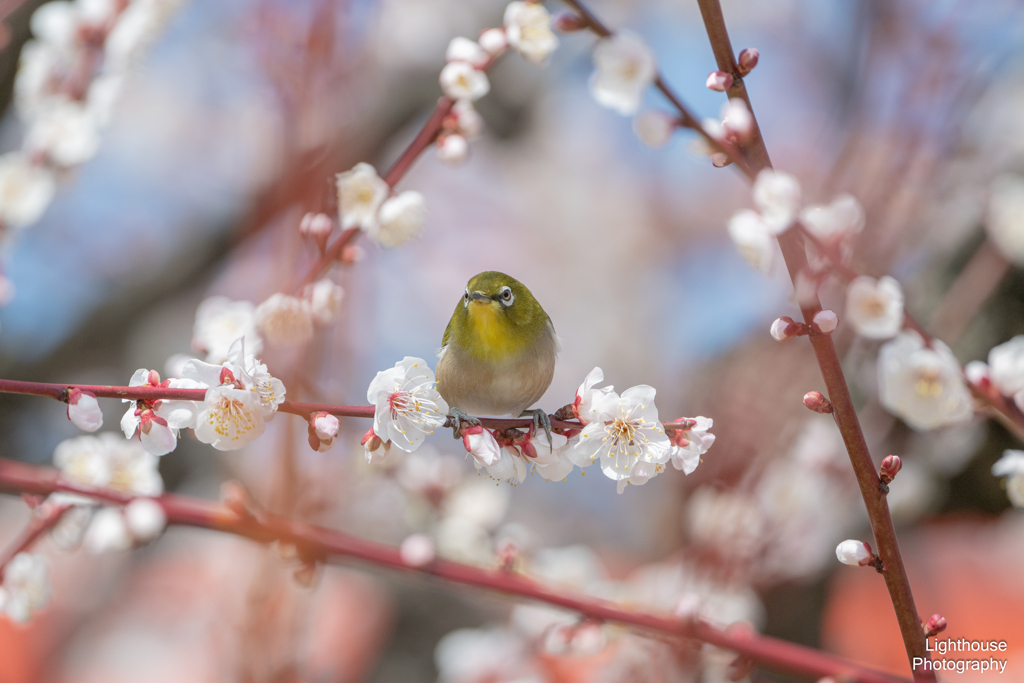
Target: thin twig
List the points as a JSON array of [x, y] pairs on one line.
[[44, 518], [321, 543]]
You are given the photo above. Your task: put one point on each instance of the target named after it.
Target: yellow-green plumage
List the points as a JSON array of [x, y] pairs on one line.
[[498, 352]]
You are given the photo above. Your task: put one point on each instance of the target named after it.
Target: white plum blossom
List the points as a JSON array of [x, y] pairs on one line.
[[107, 460], [777, 198], [408, 407], [655, 127], [219, 322], [452, 148], [854, 553], [25, 190], [84, 410], [516, 458], [625, 431], [324, 299], [67, 133], [875, 307], [468, 122], [26, 586], [1005, 219], [753, 239], [360, 194], [284, 320], [159, 422], [689, 444], [145, 519], [1006, 368], [401, 219], [463, 81], [624, 67], [641, 473], [921, 385], [466, 50], [842, 218], [242, 397], [528, 31], [1011, 466]]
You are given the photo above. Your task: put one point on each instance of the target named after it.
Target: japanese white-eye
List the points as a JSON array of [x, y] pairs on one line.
[[498, 352]]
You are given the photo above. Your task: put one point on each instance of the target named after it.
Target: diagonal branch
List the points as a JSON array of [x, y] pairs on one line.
[[325, 544]]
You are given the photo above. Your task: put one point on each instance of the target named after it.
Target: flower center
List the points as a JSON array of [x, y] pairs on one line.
[[623, 431], [873, 307], [928, 383]]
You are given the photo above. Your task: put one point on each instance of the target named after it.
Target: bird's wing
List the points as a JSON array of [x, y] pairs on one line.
[[447, 335]]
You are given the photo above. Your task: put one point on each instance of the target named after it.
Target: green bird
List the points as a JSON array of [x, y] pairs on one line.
[[498, 352]]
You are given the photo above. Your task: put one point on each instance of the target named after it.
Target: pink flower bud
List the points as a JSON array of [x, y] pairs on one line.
[[719, 81], [374, 448], [84, 410], [508, 553], [747, 60], [891, 466], [854, 553], [326, 425], [785, 328], [935, 625], [567, 22], [818, 403], [826, 320], [417, 550], [317, 227]]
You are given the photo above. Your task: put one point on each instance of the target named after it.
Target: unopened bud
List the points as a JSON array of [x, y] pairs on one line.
[[508, 553], [317, 227], [452, 149], [826, 320], [493, 40], [854, 553], [306, 574], [567, 22], [352, 253], [891, 466], [747, 60], [785, 328], [935, 625], [719, 81], [374, 448], [977, 373], [417, 550], [815, 401]]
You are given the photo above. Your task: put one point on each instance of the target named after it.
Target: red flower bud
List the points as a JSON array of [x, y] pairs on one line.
[[747, 60], [935, 625], [891, 466], [818, 403]]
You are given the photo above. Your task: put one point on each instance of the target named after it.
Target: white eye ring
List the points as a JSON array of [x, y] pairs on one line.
[[465, 299], [507, 297]]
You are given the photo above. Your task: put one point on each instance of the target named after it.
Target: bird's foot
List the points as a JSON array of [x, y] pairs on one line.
[[457, 418], [540, 421]]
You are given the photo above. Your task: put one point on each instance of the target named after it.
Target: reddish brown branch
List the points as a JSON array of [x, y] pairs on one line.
[[305, 410], [845, 413], [319, 542]]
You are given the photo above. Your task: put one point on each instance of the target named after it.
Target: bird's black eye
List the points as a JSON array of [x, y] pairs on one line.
[[466, 295], [506, 296]]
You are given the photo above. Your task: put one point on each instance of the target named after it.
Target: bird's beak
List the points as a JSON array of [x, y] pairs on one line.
[[480, 297]]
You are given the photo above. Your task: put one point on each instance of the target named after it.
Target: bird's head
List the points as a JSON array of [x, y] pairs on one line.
[[497, 317]]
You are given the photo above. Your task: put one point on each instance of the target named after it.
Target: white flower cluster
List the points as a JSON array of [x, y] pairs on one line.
[[623, 433], [364, 203], [108, 461], [779, 203], [69, 78], [526, 29], [26, 586]]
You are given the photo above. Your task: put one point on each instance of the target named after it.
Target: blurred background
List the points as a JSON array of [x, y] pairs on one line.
[[228, 129]]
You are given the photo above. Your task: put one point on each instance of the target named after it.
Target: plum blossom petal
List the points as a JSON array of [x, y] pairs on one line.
[[923, 386], [875, 307], [528, 31], [360, 194], [408, 406]]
